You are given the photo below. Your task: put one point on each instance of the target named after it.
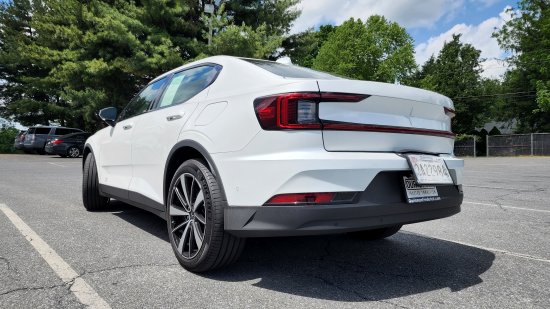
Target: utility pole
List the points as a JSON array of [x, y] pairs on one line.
[[209, 9]]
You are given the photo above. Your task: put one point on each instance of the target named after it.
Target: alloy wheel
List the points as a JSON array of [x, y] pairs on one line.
[[187, 215], [74, 152]]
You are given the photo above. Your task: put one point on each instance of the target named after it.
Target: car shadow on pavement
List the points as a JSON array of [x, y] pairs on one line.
[[342, 268]]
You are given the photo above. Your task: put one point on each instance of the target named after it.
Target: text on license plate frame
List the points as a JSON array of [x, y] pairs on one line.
[[416, 193]]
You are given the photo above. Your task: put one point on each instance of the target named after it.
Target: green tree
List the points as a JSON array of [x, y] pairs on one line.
[[62, 60], [375, 50], [527, 35], [303, 47], [455, 72]]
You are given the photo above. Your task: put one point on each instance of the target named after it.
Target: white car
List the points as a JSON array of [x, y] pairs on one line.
[[227, 148]]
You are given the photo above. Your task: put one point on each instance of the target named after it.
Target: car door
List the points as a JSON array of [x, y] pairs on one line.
[[157, 131], [115, 149]]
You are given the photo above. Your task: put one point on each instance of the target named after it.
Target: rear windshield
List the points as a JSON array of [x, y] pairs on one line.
[[291, 71], [42, 131], [65, 131]]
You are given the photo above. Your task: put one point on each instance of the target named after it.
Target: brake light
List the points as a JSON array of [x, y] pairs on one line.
[[297, 110], [449, 112], [57, 141]]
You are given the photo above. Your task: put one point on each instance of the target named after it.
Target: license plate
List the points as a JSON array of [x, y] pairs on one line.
[[417, 193], [429, 170]]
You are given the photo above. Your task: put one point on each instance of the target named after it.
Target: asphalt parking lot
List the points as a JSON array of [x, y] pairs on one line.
[[494, 254]]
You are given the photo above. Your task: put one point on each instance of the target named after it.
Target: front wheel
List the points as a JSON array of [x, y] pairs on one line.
[[91, 198], [377, 234], [195, 220]]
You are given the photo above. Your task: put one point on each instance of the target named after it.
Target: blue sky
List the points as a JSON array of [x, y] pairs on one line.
[[429, 22]]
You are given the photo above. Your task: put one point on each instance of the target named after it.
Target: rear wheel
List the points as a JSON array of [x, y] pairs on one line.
[[195, 220], [73, 152], [91, 198], [376, 234]]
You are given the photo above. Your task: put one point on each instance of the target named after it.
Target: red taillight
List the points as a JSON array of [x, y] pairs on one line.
[[301, 198], [57, 141], [449, 112], [296, 110]]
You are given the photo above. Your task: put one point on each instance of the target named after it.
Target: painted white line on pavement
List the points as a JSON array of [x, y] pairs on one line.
[[503, 206], [505, 252], [56, 164], [82, 290]]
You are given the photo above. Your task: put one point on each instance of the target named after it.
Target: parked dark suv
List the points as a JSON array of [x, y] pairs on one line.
[[37, 137]]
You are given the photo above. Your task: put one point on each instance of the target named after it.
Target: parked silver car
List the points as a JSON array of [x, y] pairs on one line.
[[37, 137]]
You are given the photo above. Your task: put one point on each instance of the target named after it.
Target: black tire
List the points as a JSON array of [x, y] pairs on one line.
[[377, 234], [73, 152], [217, 248], [91, 198]]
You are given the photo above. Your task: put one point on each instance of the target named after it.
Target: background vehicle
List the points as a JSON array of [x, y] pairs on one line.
[[37, 137], [70, 145], [226, 148], [19, 139]]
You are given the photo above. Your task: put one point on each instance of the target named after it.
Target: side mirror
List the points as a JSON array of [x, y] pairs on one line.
[[108, 115]]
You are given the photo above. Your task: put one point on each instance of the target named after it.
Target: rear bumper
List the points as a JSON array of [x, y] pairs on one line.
[[294, 221], [381, 204]]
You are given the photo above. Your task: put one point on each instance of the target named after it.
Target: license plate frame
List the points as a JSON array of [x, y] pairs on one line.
[[429, 169], [416, 193]]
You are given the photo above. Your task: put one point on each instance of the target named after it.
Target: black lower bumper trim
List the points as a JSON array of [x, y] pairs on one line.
[[265, 221]]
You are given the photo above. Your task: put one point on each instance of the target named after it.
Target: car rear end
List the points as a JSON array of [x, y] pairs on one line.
[[340, 158]]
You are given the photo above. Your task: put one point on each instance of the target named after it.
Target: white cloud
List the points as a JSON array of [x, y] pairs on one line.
[[408, 13], [477, 35]]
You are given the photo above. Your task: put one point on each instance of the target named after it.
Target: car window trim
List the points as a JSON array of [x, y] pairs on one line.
[[161, 90], [171, 75]]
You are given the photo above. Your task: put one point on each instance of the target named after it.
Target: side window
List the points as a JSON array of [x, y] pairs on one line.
[[186, 84], [141, 102]]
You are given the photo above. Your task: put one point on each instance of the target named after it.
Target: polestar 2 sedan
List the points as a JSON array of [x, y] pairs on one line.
[[227, 148]]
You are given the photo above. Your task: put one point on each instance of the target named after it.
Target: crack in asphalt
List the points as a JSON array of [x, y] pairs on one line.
[[123, 267], [32, 289]]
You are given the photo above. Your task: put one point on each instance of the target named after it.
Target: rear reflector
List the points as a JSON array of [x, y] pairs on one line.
[[314, 198]]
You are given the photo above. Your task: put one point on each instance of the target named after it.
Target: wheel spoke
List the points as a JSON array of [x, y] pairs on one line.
[[180, 226], [200, 218], [180, 198], [178, 211], [183, 181], [198, 200], [190, 237], [186, 231], [197, 234]]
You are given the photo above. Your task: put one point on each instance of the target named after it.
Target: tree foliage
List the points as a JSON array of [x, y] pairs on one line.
[[374, 50], [455, 72], [62, 60], [527, 35]]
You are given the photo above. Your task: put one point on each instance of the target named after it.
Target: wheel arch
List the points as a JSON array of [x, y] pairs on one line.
[[183, 151]]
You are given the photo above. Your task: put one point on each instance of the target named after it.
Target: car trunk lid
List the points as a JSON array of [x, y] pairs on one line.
[[391, 118]]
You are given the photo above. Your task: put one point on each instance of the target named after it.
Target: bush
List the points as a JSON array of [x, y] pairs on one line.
[[7, 136]]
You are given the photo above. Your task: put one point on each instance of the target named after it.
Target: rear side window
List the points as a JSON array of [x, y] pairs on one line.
[[31, 131], [188, 83], [291, 71], [42, 131], [143, 100]]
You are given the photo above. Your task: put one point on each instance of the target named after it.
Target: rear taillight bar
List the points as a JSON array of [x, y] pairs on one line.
[[297, 111], [449, 112], [300, 111]]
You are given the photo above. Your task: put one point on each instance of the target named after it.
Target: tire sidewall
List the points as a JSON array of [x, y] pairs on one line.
[[192, 167]]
